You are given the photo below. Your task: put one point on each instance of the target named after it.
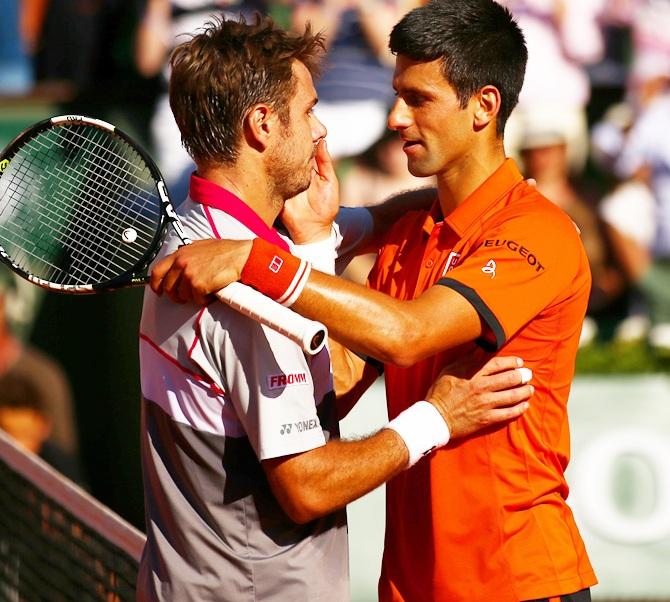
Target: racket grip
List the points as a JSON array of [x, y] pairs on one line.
[[310, 335]]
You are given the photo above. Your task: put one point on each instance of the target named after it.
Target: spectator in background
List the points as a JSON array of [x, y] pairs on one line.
[[629, 143], [35, 399], [379, 173], [165, 24], [563, 36], [645, 158], [15, 69], [354, 90], [25, 417]]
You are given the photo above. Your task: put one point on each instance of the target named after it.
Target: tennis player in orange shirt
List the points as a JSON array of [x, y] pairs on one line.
[[492, 267]]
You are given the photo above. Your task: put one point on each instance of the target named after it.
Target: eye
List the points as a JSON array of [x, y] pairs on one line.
[[415, 100]]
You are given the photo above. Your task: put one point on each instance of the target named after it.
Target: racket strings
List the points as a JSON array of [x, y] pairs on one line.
[[100, 219], [72, 192], [58, 191]]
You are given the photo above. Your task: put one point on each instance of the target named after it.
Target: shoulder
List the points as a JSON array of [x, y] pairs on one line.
[[532, 226], [534, 215]]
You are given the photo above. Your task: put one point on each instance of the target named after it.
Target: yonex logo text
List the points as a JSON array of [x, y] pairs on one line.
[[275, 264], [279, 381]]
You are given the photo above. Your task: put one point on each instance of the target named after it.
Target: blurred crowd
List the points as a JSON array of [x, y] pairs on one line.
[[592, 126]]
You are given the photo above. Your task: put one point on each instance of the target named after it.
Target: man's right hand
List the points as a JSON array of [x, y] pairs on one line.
[[494, 395]]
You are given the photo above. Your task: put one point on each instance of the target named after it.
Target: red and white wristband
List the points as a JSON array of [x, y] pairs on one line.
[[422, 428], [275, 273]]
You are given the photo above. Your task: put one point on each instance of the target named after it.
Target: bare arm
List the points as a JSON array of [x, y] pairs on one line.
[[377, 19], [153, 38], [319, 481], [352, 376], [393, 331], [389, 211], [366, 321], [323, 17]]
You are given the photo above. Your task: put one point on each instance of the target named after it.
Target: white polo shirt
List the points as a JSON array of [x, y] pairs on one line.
[[222, 392]]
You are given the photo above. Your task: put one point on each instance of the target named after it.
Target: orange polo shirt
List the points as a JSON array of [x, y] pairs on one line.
[[485, 518]]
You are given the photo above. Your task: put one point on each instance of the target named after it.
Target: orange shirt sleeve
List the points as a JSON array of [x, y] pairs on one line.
[[517, 268]]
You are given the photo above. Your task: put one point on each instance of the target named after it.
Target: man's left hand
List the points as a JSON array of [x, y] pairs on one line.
[[309, 215]]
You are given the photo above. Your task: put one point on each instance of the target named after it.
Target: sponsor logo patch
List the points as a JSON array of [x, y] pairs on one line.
[[299, 427], [515, 247], [281, 381]]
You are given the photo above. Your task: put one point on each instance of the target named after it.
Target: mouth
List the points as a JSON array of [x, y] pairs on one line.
[[408, 145]]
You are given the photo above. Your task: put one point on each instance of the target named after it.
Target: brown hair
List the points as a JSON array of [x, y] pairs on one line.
[[227, 68]]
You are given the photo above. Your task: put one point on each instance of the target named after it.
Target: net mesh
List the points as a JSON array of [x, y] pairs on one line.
[[78, 206], [56, 542]]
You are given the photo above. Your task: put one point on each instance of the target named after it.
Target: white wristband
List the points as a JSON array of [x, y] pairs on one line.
[[322, 253], [422, 428]]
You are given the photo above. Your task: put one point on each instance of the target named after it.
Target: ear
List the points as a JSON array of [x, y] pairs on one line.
[[259, 126], [487, 105]]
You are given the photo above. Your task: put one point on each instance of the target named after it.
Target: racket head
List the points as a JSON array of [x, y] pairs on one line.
[[83, 208]]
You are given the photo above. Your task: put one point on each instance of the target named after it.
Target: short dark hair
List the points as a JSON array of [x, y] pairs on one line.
[[227, 68], [478, 42]]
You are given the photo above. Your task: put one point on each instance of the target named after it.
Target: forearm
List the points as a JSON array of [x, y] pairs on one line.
[[387, 329], [323, 19], [334, 475], [377, 19], [389, 211], [352, 376], [152, 41]]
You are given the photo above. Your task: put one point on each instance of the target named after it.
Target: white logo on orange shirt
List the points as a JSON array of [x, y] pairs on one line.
[[490, 268], [281, 381], [452, 262]]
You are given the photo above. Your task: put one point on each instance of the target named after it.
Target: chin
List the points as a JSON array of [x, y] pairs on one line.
[[419, 171]]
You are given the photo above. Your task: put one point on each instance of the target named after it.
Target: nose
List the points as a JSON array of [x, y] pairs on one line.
[[399, 117], [319, 130]]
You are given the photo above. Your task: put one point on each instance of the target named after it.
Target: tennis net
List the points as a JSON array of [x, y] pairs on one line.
[[57, 543]]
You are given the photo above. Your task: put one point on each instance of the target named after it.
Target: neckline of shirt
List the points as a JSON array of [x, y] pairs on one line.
[[212, 195], [497, 185]]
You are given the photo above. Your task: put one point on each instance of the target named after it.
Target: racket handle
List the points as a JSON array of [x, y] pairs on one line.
[[310, 335]]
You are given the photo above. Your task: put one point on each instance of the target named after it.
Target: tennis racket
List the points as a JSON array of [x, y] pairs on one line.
[[84, 209]]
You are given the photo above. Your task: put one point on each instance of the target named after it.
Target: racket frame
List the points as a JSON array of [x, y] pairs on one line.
[[311, 342], [168, 216]]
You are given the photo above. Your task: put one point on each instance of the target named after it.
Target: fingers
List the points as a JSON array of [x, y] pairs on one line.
[[507, 414], [507, 397], [510, 379], [499, 364], [157, 276], [324, 162]]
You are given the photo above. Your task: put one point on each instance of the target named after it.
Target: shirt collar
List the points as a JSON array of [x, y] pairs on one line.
[[212, 195], [497, 185], [488, 193]]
